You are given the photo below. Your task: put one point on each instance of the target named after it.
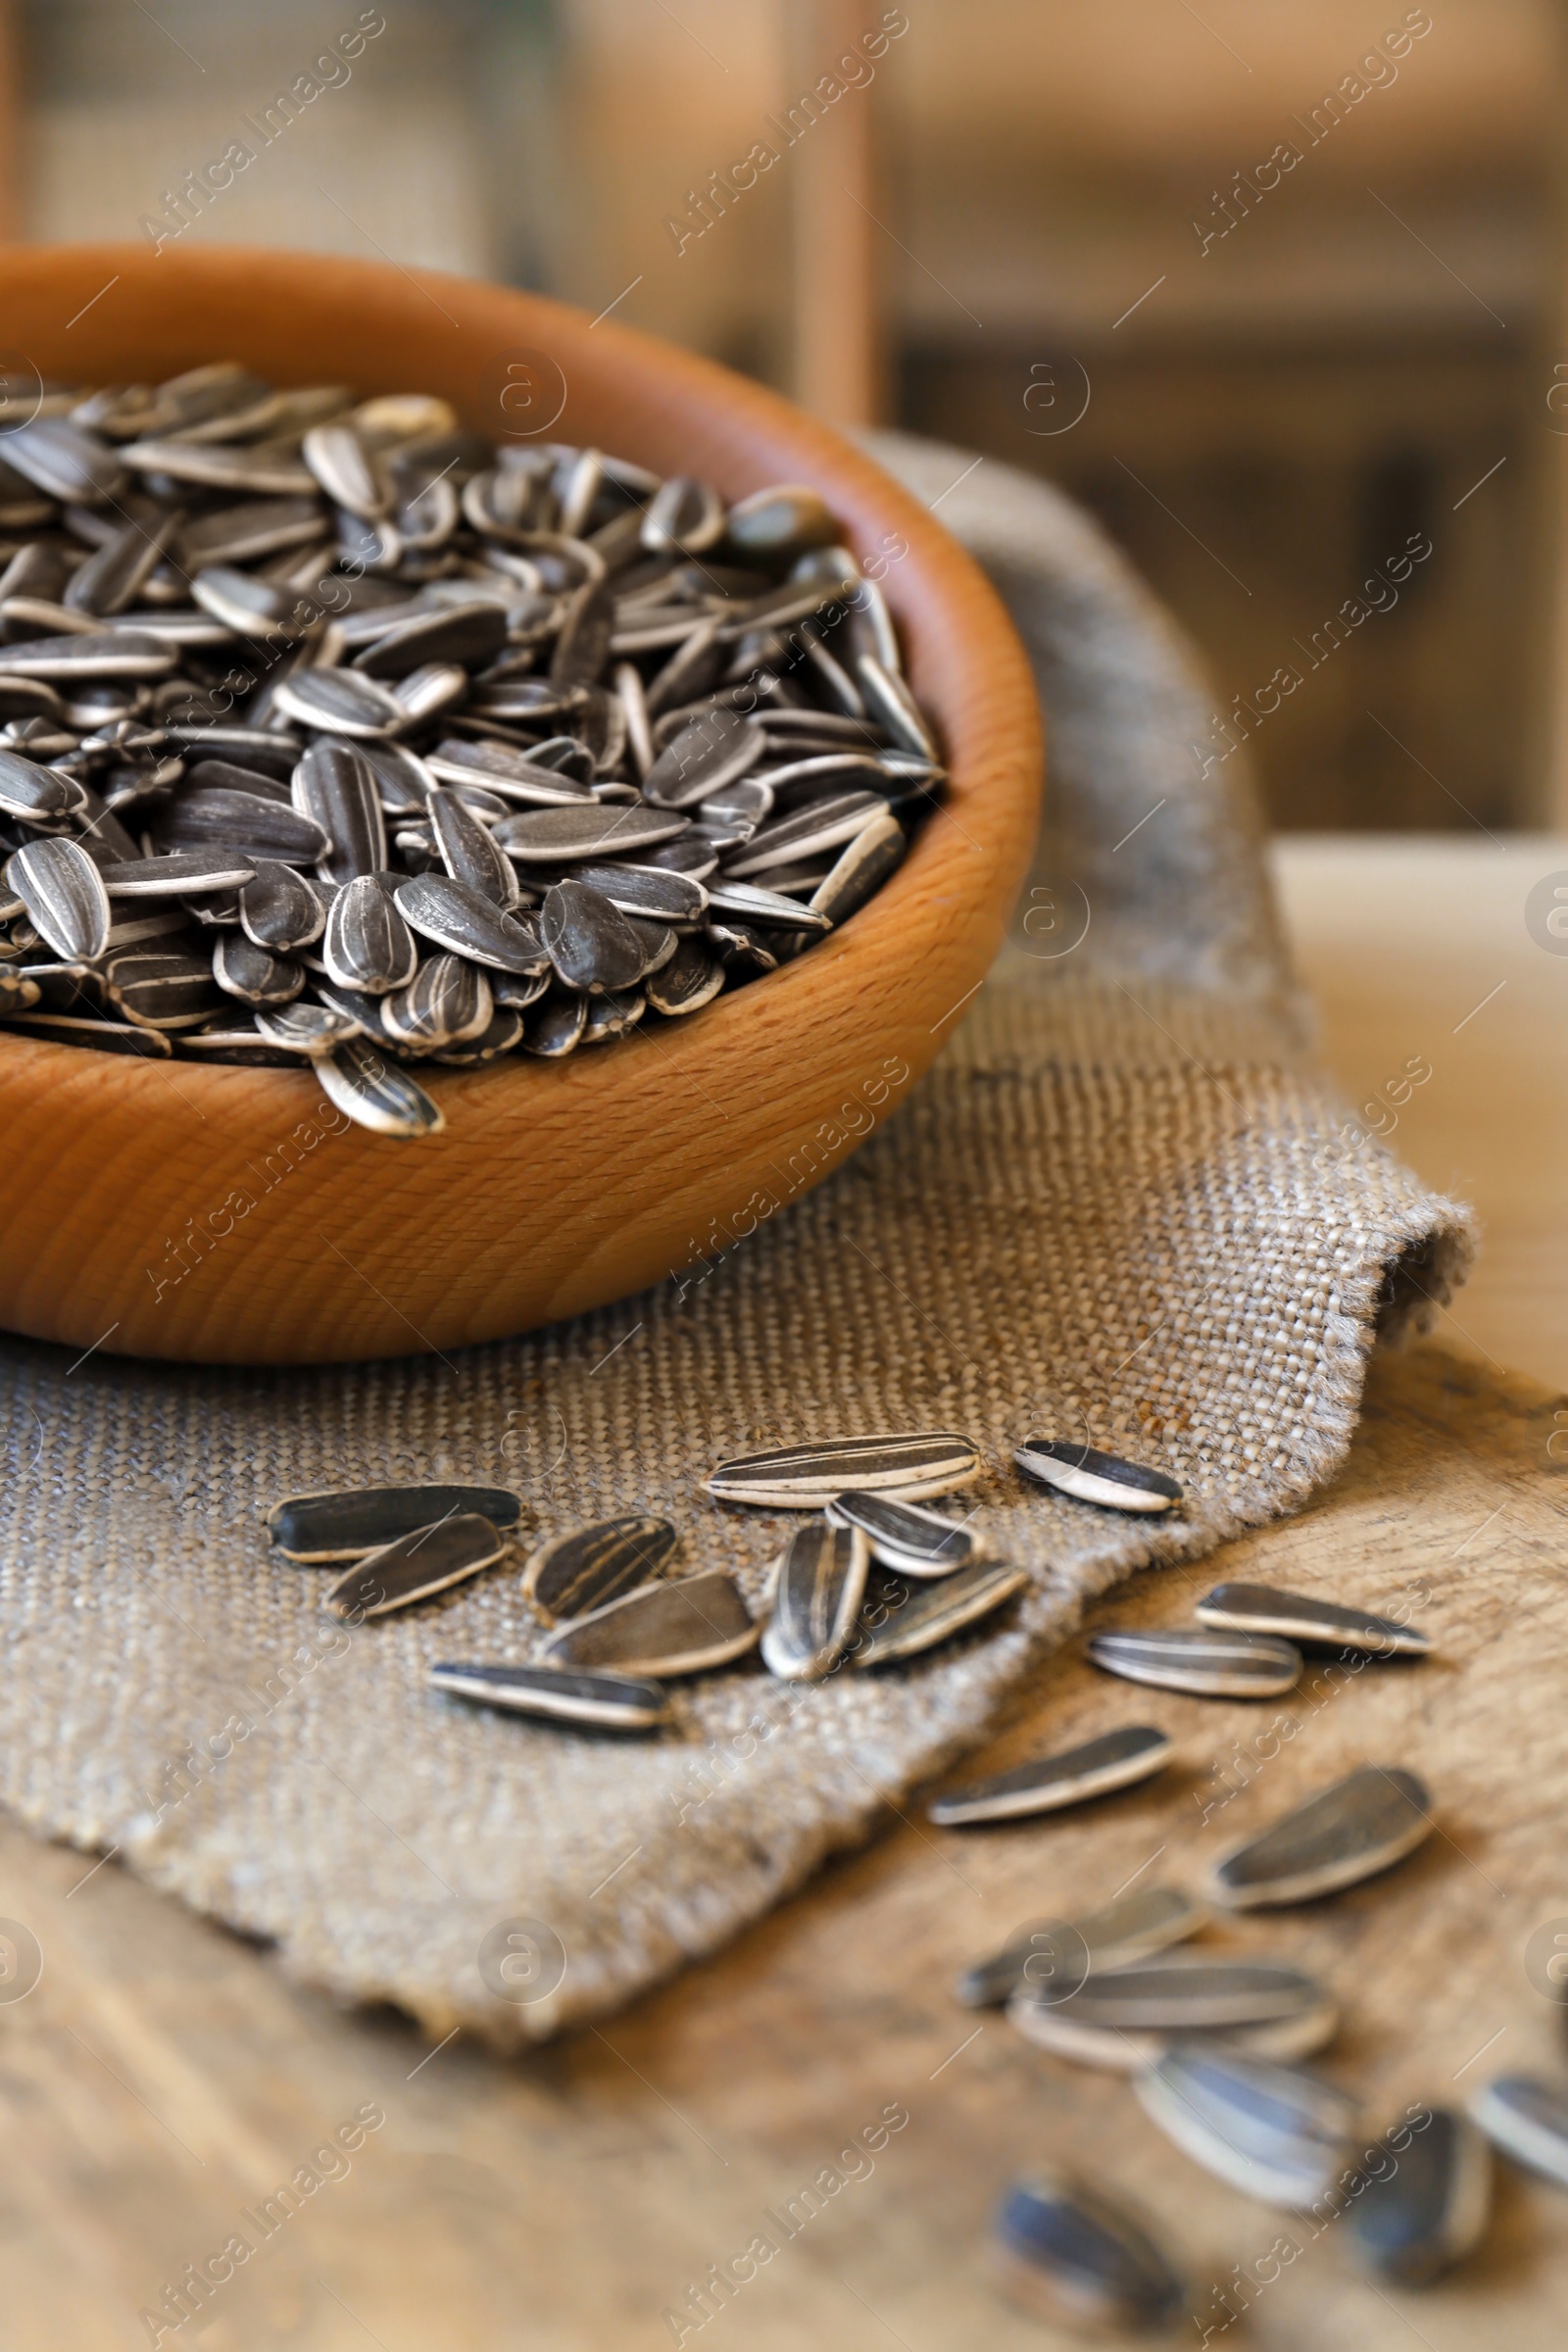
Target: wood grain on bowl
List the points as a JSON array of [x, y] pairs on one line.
[[230, 1215]]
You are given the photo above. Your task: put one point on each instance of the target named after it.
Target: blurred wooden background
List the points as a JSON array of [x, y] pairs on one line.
[[1291, 368]]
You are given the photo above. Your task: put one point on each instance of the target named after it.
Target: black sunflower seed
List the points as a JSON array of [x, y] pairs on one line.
[[1269, 2130], [1115, 1760], [611, 1702], [415, 1566], [1072, 2255], [711, 752], [1361, 1825], [933, 1612], [911, 1464], [447, 1002], [821, 1581], [589, 941], [336, 787], [1324, 1624], [569, 1575], [660, 1630], [456, 917], [344, 1523], [1422, 2197], [255, 974], [278, 908], [1091, 1477], [376, 1096], [1205, 1665], [547, 836], [691, 979], [65, 896], [367, 943]]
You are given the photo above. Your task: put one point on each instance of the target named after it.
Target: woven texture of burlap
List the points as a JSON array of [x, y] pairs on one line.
[[1122, 1206]]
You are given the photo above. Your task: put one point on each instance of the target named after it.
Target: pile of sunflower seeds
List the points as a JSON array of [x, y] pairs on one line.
[[332, 734]]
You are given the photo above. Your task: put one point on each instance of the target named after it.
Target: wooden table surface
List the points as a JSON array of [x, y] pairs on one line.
[[164, 2078]]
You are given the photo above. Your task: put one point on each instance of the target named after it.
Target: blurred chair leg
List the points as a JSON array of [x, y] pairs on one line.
[[833, 237]]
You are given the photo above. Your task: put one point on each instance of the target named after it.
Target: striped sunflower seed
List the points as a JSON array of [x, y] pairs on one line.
[[861, 867], [550, 836], [1131, 1928], [1123, 2017], [344, 1523], [612, 1015], [1363, 1824], [1115, 1760], [709, 754], [1527, 2120], [691, 979], [554, 1026], [447, 1002], [572, 1574], [1269, 2130], [376, 1096], [1426, 2202], [340, 702], [278, 909], [367, 944], [821, 826], [1325, 1624], [909, 1463], [821, 1584], [752, 905], [242, 821], [1074, 2257], [66, 463], [1092, 1477], [642, 890], [589, 941], [64, 895], [38, 795], [309, 1029], [507, 773], [161, 992], [935, 1611], [662, 1629], [610, 1702], [1203, 1664], [463, 920], [182, 873], [902, 1537], [683, 517], [415, 1566], [79, 660], [468, 852], [501, 1034], [336, 786], [255, 974]]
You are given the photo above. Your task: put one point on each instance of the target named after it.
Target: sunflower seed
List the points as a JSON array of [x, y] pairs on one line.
[[861, 869], [821, 1581], [367, 944], [337, 458], [663, 1629], [1115, 1760], [902, 1537], [112, 576], [744, 902], [115, 653], [220, 468], [1361, 1825], [375, 1095], [610, 1702], [243, 821], [38, 793], [255, 974], [585, 1569], [468, 852], [1122, 2018], [691, 979], [589, 941], [507, 773], [1269, 2130], [547, 836], [1429, 2208], [641, 890], [413, 1567], [106, 1037], [63, 894], [1074, 2257], [714, 751], [278, 908], [1204, 1665], [683, 517], [554, 1026], [820, 826], [612, 1015], [161, 992], [309, 1029], [935, 1610], [582, 647], [1260, 1609], [243, 534], [910, 1464], [462, 919], [246, 605], [889, 701], [338, 701], [17, 992], [502, 1032], [64, 462], [1092, 1477], [447, 1002], [344, 1523], [1131, 1928], [240, 1042], [186, 872], [336, 786], [1527, 2120]]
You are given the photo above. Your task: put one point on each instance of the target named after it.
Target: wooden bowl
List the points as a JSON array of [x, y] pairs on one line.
[[230, 1215]]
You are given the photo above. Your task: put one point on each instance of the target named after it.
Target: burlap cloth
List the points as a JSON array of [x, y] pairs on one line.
[[1122, 1204]]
